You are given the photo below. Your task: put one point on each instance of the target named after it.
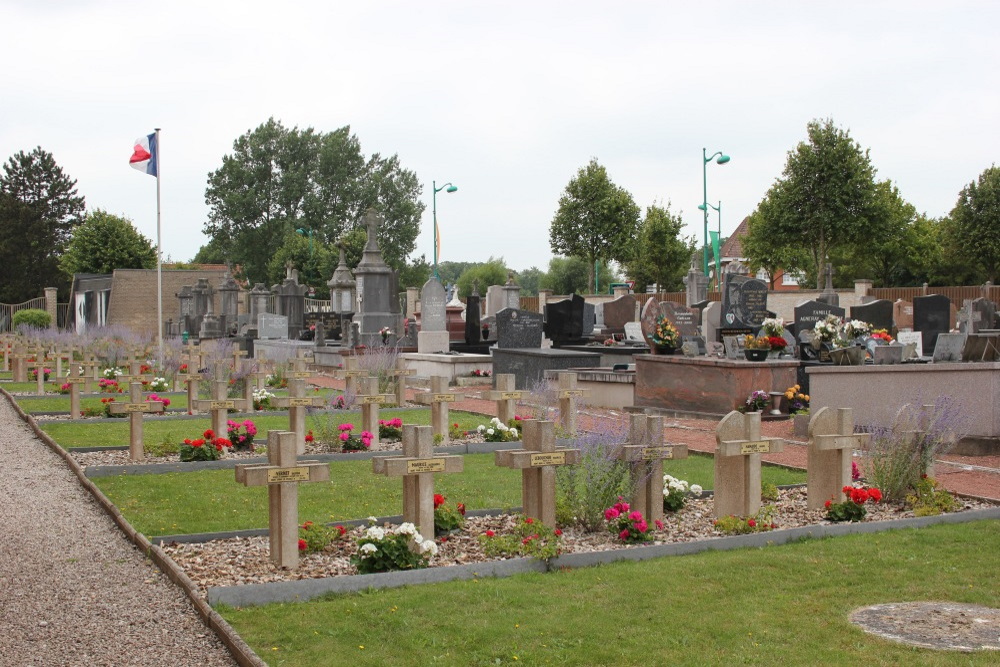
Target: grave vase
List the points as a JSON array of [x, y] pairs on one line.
[[848, 356], [665, 349], [756, 355]]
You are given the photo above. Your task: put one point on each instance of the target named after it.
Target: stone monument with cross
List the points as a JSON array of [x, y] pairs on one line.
[[505, 396], [438, 398], [417, 466], [832, 442], [645, 453], [297, 402], [739, 446], [135, 409], [377, 285], [538, 462], [282, 475], [829, 295]]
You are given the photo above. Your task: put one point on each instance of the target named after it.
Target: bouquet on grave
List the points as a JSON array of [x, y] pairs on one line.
[[390, 428], [497, 431], [798, 403], [241, 434], [827, 329], [626, 524], [758, 343], [756, 402], [773, 327], [206, 448], [852, 330], [665, 334], [353, 443]]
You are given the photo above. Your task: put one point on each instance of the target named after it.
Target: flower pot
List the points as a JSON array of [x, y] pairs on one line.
[[848, 356], [665, 349], [756, 355], [486, 334]]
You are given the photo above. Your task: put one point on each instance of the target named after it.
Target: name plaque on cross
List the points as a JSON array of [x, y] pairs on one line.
[[510, 395], [656, 453], [571, 393], [299, 375], [425, 465], [548, 459], [222, 405], [75, 380], [370, 400], [758, 447], [443, 398], [280, 475], [135, 407], [300, 402]]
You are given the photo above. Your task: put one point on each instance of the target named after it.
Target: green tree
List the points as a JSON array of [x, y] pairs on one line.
[[888, 244], [278, 180], [596, 220], [491, 272], [529, 280], [574, 275], [213, 252], [105, 242], [826, 197], [40, 208], [660, 254], [315, 263], [765, 249], [416, 272], [975, 222], [449, 272]]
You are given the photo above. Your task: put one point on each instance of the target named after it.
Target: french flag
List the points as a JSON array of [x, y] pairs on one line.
[[144, 155]]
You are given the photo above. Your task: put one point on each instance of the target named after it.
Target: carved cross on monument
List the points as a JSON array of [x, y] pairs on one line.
[[135, 409], [438, 398], [282, 475], [417, 466], [737, 463], [569, 398], [297, 402], [832, 442], [506, 396], [537, 463], [372, 221], [644, 454]]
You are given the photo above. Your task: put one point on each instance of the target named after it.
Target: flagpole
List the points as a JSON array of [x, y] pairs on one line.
[[159, 260]]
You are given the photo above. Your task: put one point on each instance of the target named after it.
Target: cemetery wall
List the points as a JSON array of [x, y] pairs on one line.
[[133, 295]]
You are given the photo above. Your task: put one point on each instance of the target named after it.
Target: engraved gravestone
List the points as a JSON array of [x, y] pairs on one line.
[[902, 315], [744, 301], [949, 347], [432, 306], [518, 329], [564, 319], [877, 313], [273, 326], [911, 338], [982, 315], [931, 317], [619, 312], [808, 313], [633, 332], [683, 318], [589, 319]]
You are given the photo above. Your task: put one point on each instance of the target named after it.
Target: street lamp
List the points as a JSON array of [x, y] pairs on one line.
[[705, 159], [450, 188], [718, 235], [309, 233]]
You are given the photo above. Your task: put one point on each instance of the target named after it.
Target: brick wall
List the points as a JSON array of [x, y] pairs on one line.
[[133, 296]]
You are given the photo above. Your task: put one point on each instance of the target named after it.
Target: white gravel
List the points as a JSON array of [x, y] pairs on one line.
[[75, 590]]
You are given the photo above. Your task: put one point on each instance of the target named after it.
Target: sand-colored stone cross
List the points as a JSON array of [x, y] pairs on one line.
[[192, 357], [569, 398], [135, 409], [537, 463], [39, 367], [21, 356], [89, 370], [297, 402], [350, 374], [506, 396], [645, 453], [370, 401], [737, 463], [832, 442], [438, 398], [400, 372], [417, 466], [282, 475], [74, 395], [219, 404]]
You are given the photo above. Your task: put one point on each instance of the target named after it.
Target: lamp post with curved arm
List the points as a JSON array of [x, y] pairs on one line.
[[447, 187], [705, 159], [718, 275]]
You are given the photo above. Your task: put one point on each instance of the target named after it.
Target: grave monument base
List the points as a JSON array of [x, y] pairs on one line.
[[451, 366], [528, 365]]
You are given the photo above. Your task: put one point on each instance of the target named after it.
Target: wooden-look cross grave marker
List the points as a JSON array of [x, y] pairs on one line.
[[21, 356], [297, 402], [537, 463], [370, 400], [506, 396], [832, 442], [401, 372], [645, 453], [737, 463], [219, 404], [911, 425], [39, 367], [90, 368], [569, 398], [438, 398], [350, 374], [74, 395], [135, 409], [282, 475], [417, 466]]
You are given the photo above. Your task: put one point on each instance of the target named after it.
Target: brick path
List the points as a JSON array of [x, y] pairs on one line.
[[972, 475]]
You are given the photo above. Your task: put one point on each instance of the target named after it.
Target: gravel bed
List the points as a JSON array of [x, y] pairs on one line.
[[238, 561], [76, 591]]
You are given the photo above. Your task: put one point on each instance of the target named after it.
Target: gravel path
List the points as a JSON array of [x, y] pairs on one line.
[[75, 590]]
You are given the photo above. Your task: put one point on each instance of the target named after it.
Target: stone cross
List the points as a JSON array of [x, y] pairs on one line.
[[537, 463], [297, 402], [370, 400], [417, 466], [220, 404], [88, 370], [438, 398], [644, 454], [238, 354], [911, 425], [74, 395], [506, 397], [569, 398], [350, 374], [39, 367], [400, 373], [737, 463], [5, 347], [21, 356], [832, 442], [192, 353], [282, 475], [134, 370], [134, 409]]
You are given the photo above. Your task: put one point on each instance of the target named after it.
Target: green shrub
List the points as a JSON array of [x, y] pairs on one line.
[[32, 317]]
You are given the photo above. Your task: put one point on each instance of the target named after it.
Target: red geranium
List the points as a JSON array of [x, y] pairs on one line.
[[776, 342], [438, 500]]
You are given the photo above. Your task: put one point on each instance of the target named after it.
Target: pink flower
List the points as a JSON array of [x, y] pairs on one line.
[[346, 427], [659, 524], [641, 526], [635, 516], [344, 437], [367, 435], [610, 514], [623, 535]]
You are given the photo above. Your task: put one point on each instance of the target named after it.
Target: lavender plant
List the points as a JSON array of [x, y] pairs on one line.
[[583, 492], [379, 361]]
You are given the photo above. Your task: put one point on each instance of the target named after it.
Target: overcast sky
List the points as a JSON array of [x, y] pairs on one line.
[[507, 100]]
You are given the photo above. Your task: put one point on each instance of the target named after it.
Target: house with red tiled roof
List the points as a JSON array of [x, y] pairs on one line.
[[731, 259]]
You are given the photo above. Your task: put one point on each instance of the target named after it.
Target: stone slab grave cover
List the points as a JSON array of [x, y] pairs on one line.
[[949, 347], [808, 313], [983, 346], [683, 318], [931, 317], [902, 315], [877, 313], [564, 319], [618, 313], [633, 332], [744, 301], [518, 328], [273, 326]]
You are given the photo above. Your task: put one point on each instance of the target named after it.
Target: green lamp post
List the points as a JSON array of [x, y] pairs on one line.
[[718, 235], [705, 159], [450, 188]]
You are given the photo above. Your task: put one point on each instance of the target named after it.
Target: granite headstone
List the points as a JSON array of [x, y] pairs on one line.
[[744, 301], [518, 328], [808, 313], [877, 313], [931, 317]]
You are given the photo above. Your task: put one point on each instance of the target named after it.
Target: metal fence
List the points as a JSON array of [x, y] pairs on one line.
[[7, 312]]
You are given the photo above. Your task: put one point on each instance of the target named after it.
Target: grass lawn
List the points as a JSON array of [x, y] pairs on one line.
[[781, 605], [210, 501], [60, 403]]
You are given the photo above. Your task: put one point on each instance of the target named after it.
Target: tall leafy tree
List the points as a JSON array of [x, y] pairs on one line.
[[529, 280], [105, 242], [39, 211], [660, 253], [491, 272], [885, 250], [279, 180], [767, 250], [826, 197], [574, 275], [975, 222], [596, 220]]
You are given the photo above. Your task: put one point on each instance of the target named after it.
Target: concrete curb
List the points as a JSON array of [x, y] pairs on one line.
[[239, 649]]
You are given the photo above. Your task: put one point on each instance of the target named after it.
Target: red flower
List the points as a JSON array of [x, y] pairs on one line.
[[490, 533], [208, 434], [774, 525], [558, 532], [443, 539], [461, 508], [875, 495], [827, 504], [341, 530], [659, 524], [302, 545], [309, 436], [307, 525], [438, 500], [529, 520], [751, 523]]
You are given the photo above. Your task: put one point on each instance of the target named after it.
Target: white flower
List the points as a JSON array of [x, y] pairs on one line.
[[368, 548], [696, 489], [428, 547], [513, 432], [490, 431], [375, 533], [495, 421], [406, 529], [480, 428]]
